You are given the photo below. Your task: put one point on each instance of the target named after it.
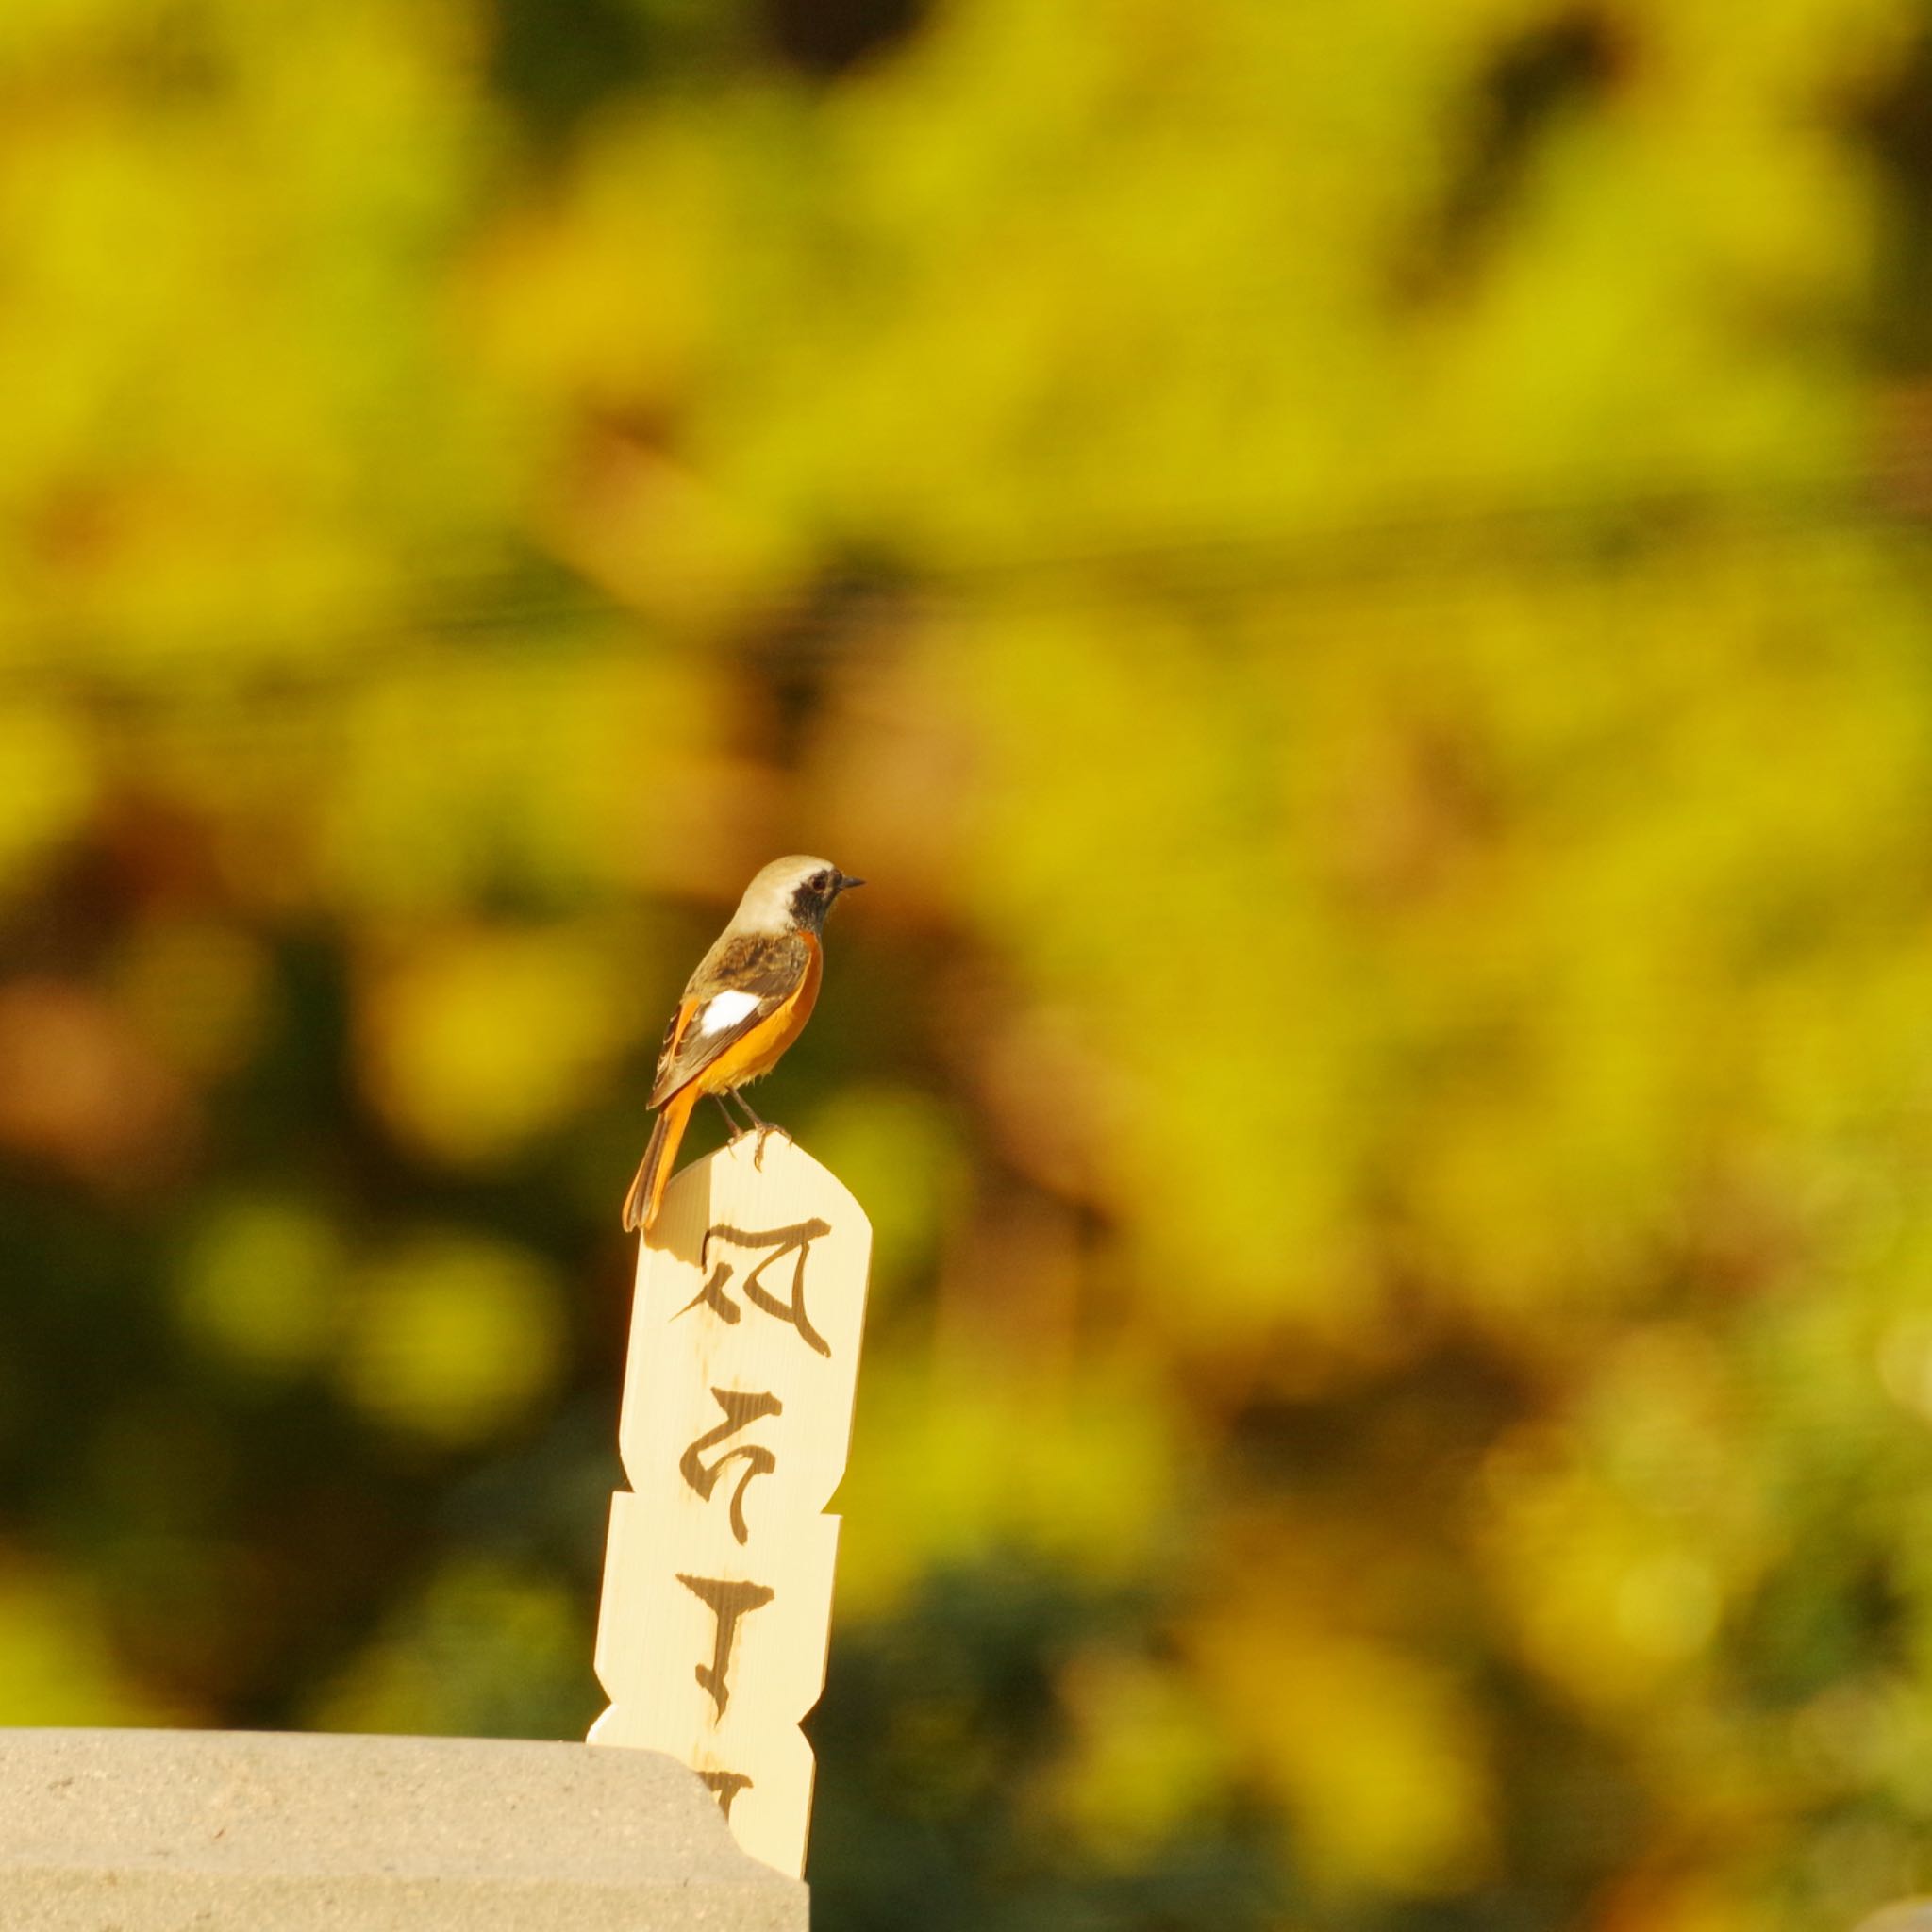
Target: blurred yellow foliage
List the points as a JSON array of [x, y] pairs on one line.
[[1147, 1756], [50, 784], [261, 1285], [1356, 579], [61, 1667], [1377, 1759], [476, 1625], [451, 1336], [951, 1467], [476, 1041]]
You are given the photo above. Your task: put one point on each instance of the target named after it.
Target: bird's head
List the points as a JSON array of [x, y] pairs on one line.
[[794, 893]]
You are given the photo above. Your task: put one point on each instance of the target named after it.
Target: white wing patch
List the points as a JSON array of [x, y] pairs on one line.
[[724, 1010]]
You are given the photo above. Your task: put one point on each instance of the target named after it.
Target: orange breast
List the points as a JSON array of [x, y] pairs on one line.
[[762, 1049]]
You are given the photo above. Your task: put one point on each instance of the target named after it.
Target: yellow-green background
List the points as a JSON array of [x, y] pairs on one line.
[[1356, 577]]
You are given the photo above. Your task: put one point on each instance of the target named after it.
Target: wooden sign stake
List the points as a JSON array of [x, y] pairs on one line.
[[717, 1603]]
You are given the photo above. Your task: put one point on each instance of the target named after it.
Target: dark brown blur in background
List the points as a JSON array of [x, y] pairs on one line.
[[1357, 580]]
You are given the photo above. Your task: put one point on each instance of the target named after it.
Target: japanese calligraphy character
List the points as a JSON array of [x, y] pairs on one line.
[[728, 1602], [797, 1240], [741, 1408], [726, 1785]]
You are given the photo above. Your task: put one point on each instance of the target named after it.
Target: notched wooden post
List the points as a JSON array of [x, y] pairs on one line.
[[738, 1393]]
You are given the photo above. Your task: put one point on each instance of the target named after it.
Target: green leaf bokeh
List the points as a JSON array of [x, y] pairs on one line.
[[1358, 583]]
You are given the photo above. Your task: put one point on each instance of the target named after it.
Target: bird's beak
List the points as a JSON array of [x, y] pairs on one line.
[[847, 882]]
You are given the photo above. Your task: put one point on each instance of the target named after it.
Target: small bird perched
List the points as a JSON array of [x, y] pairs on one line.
[[746, 1003]]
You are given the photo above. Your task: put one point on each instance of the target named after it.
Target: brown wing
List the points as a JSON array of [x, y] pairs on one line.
[[766, 966], [667, 1054]]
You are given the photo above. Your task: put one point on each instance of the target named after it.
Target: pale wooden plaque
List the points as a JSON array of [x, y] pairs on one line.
[[738, 1393]]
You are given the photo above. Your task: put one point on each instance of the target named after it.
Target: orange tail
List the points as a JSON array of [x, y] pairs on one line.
[[647, 1190]]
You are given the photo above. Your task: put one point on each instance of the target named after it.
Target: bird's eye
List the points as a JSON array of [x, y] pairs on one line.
[[820, 881]]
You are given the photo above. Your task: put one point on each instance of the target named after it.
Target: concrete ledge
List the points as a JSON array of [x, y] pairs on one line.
[[231, 1831]]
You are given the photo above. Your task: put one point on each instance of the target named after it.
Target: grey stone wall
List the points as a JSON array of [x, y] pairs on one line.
[[224, 1831]]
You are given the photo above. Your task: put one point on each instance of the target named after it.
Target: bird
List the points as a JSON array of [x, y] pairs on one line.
[[746, 1003]]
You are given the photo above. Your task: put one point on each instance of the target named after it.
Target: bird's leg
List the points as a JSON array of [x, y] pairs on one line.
[[762, 1124], [733, 1125]]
